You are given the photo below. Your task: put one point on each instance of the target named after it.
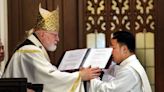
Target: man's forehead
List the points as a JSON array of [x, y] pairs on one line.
[[114, 42], [54, 32]]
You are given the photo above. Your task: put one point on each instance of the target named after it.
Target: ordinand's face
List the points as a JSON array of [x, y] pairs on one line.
[[1, 52], [50, 40], [117, 51]]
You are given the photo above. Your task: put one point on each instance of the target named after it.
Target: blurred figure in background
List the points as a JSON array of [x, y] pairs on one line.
[[1, 54]]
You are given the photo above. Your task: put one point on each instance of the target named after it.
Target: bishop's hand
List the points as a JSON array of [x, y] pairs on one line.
[[89, 73]]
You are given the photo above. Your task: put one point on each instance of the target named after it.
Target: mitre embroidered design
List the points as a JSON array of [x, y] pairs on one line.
[[49, 21]]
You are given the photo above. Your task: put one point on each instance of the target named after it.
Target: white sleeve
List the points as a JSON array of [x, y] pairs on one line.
[[123, 82]]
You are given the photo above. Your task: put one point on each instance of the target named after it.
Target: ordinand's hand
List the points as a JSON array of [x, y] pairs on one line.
[[89, 73]]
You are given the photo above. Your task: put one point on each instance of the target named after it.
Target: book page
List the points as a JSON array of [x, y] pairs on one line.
[[98, 57], [72, 59]]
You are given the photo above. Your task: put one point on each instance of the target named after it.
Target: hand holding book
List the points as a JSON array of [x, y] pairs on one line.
[[89, 73]]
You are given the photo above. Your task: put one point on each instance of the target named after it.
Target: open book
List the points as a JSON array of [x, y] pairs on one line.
[[94, 57]]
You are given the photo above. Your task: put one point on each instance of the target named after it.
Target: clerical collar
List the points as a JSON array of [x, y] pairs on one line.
[[37, 38], [129, 59]]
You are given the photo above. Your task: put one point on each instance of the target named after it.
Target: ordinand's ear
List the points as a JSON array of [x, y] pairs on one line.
[[125, 49]]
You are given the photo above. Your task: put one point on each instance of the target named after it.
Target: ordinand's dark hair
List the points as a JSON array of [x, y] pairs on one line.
[[125, 38]]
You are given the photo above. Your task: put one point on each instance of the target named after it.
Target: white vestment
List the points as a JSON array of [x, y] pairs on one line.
[[33, 63], [129, 76]]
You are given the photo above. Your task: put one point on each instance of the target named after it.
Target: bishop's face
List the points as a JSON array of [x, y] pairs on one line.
[[50, 40], [118, 54]]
